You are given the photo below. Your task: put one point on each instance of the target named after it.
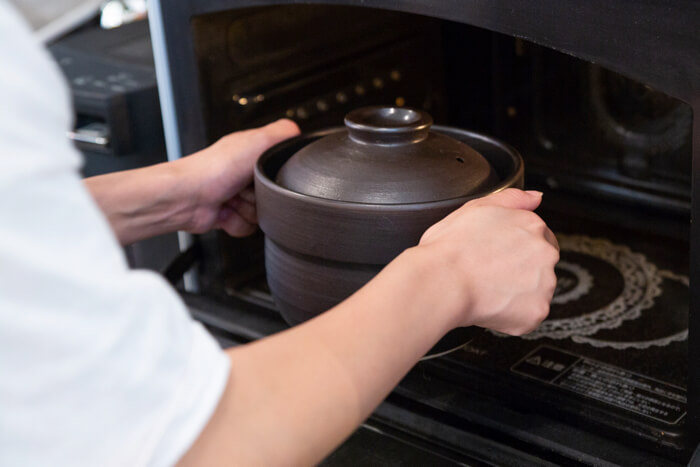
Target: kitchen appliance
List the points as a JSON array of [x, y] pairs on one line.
[[117, 123], [600, 100]]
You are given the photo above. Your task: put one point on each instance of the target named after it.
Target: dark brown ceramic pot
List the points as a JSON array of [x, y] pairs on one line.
[[337, 206]]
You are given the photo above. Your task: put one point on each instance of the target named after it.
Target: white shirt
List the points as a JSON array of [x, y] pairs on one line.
[[99, 365]]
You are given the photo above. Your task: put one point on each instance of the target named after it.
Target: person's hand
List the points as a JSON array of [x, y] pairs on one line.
[[219, 177], [204, 191], [496, 260]]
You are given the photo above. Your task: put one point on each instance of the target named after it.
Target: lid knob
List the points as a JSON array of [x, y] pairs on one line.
[[388, 125]]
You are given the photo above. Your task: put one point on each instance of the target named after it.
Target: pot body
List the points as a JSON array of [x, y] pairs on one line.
[[319, 251]]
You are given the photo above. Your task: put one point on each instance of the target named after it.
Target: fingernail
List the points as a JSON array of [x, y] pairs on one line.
[[534, 193]]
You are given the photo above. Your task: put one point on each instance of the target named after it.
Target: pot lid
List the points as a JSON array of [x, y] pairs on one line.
[[387, 156]]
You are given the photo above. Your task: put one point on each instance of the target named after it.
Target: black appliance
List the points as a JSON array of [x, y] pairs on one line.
[[598, 97], [117, 123]]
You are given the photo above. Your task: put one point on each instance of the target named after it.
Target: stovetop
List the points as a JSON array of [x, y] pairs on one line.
[[616, 334]]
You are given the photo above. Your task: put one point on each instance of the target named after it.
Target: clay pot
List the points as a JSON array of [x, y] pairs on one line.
[[337, 206]]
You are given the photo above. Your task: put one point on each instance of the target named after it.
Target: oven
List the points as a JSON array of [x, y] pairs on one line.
[[598, 97]]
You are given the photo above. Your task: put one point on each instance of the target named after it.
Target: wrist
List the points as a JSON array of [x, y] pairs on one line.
[[168, 202], [184, 196], [431, 286], [141, 203]]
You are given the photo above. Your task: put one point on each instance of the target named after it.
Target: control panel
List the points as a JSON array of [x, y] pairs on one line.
[[113, 84]]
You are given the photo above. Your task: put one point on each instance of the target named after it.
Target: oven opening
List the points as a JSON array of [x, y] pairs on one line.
[[611, 154]]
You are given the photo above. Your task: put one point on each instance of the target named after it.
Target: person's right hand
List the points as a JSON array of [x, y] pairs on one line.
[[496, 262]]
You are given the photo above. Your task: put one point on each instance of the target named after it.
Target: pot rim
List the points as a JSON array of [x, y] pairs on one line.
[[261, 176]]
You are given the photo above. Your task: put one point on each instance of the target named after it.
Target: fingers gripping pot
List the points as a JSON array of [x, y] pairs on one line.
[[337, 206]]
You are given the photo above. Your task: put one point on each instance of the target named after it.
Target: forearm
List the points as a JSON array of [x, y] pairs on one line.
[[143, 203], [292, 397]]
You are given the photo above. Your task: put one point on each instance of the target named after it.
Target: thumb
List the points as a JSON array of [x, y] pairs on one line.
[[513, 198], [246, 146], [278, 131]]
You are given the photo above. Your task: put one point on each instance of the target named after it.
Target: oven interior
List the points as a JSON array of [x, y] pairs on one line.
[[612, 155]]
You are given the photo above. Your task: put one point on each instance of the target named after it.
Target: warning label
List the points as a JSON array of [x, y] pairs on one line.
[[605, 383]]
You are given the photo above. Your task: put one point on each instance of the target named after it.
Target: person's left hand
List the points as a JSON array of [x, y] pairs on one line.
[[220, 177]]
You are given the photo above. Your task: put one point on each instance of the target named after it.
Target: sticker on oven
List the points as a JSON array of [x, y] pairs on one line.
[[605, 383]]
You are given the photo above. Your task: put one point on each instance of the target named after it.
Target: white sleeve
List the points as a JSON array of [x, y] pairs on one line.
[[99, 365]]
